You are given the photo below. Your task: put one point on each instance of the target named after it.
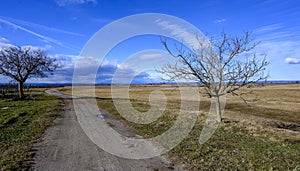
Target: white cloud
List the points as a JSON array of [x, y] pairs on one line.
[[146, 59], [220, 21], [292, 61], [71, 2], [85, 70]]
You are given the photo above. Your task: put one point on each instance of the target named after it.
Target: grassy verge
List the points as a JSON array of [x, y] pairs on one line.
[[232, 147], [21, 124]]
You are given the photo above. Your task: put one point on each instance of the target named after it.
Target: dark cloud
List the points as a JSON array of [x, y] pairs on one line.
[[143, 78], [112, 74], [105, 74], [87, 68]]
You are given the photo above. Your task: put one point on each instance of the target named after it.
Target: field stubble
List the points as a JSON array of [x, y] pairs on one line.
[[262, 135]]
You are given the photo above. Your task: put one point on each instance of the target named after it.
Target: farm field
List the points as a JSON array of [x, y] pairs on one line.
[[142, 85], [263, 135]]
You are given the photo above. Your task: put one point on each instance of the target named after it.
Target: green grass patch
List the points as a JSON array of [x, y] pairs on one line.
[[21, 124], [233, 148]]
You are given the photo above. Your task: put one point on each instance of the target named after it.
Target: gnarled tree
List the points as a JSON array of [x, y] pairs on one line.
[[21, 63], [222, 65]]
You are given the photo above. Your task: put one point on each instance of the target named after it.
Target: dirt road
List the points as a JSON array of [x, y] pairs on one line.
[[65, 146]]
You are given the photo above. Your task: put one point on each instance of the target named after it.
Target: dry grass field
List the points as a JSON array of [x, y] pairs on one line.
[[263, 135]]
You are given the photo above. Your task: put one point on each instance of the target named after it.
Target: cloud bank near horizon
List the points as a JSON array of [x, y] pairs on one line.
[[105, 73]]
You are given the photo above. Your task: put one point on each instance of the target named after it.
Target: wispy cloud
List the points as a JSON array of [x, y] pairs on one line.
[[282, 41], [39, 26], [268, 28], [266, 2], [181, 33], [292, 61], [220, 21], [101, 20], [4, 43], [154, 56], [44, 48], [280, 50], [147, 59], [281, 45], [74, 2], [3, 40], [45, 38]]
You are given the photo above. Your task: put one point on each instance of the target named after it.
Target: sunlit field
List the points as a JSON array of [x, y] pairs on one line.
[[260, 135]]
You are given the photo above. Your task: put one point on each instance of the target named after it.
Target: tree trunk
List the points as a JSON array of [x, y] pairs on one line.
[[218, 108], [20, 90]]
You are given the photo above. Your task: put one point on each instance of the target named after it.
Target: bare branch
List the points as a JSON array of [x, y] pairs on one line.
[[222, 66], [22, 63]]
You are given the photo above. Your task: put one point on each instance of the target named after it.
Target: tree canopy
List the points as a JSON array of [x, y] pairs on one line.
[[21, 63], [223, 65]]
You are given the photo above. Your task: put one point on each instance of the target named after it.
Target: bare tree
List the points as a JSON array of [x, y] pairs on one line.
[[21, 63], [222, 65]]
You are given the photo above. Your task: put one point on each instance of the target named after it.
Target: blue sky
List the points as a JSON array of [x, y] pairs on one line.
[[62, 28]]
